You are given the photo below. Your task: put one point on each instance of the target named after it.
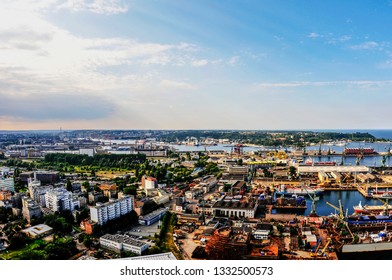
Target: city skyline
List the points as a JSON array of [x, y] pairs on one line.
[[259, 65]]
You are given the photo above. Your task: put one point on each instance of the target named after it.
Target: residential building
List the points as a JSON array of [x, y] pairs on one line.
[[38, 194], [30, 209], [149, 183], [115, 208], [7, 184], [60, 199], [5, 195], [93, 197], [120, 243]]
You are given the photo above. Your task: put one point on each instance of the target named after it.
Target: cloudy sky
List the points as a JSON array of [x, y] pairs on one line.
[[195, 64]]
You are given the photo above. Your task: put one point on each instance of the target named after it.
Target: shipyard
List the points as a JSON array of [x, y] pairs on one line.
[[197, 198]]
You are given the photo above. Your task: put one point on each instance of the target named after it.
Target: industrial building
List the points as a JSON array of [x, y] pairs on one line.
[[231, 207], [38, 231], [125, 243], [153, 217], [225, 244]]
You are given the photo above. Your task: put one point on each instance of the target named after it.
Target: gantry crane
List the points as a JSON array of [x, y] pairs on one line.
[[387, 207], [342, 216], [314, 198]]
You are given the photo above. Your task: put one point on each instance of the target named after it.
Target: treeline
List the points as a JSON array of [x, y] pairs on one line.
[[118, 161], [268, 138]]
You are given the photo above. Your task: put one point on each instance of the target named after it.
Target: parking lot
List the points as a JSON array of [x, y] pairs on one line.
[[145, 230]]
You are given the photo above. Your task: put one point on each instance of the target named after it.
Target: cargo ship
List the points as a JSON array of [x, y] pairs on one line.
[[310, 161], [369, 219], [366, 209]]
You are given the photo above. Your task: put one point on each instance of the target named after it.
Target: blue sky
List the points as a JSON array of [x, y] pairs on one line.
[[166, 64]]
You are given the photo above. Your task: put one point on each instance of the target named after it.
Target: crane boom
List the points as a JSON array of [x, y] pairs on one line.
[[325, 247]]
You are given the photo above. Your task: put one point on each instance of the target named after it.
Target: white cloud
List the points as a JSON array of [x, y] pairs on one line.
[[233, 60], [200, 63], [169, 84], [314, 35], [108, 7], [370, 45], [295, 84]]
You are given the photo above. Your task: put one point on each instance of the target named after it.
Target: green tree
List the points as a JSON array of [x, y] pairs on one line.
[[293, 171]]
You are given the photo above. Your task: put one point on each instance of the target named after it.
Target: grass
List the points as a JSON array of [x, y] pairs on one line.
[[13, 254]]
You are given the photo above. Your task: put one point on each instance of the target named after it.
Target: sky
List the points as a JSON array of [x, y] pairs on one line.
[[195, 64]]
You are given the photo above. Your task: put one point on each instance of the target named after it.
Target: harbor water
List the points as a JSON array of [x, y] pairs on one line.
[[349, 199]]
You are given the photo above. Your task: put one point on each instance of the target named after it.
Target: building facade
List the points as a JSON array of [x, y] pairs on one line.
[[120, 243], [30, 209], [60, 199], [7, 184], [114, 209]]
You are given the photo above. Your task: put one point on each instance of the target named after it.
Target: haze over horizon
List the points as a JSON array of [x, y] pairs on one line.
[[170, 64]]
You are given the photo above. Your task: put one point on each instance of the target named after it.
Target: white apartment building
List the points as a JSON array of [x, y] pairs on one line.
[[7, 184], [60, 199], [115, 208]]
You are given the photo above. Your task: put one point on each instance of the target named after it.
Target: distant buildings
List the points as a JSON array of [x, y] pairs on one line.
[[89, 152], [125, 243], [115, 208], [46, 177]]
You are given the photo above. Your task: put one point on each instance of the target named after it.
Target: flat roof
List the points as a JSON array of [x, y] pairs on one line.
[[124, 239], [157, 257], [37, 230], [153, 214], [342, 168]]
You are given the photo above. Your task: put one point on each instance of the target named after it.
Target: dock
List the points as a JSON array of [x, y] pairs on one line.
[[363, 192]]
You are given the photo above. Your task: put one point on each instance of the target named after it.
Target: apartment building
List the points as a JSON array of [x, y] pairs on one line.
[[115, 208]]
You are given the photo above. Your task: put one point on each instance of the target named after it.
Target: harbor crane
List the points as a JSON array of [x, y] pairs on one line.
[[387, 207], [342, 216], [318, 253], [314, 198]]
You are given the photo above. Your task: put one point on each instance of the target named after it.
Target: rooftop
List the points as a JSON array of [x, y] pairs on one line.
[[123, 239], [153, 214], [157, 257], [37, 230]]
